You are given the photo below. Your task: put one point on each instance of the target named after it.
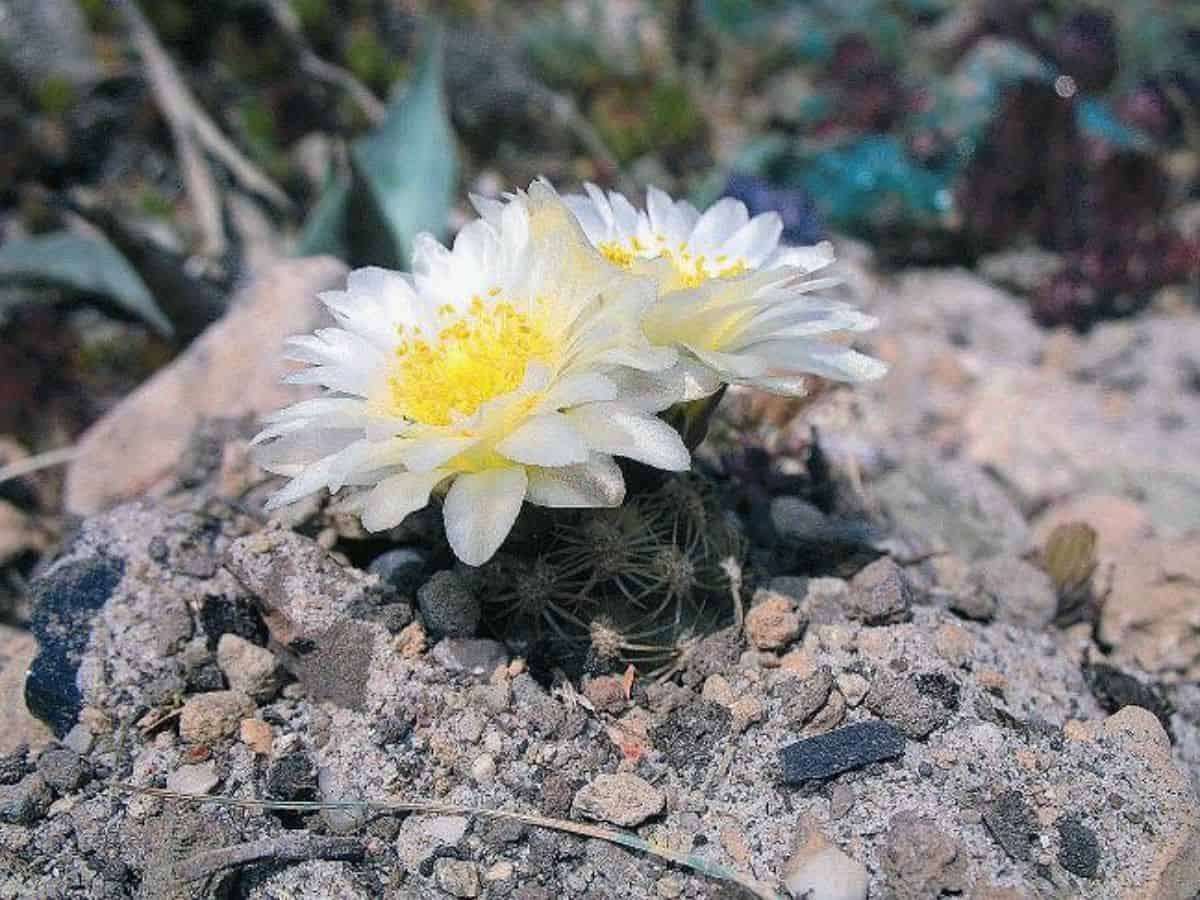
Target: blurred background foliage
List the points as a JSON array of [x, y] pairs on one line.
[[1052, 144]]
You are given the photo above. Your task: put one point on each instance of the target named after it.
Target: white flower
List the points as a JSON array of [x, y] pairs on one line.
[[491, 371], [732, 298]]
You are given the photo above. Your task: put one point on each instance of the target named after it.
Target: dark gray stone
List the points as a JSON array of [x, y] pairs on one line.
[[1079, 849], [66, 597], [14, 766], [63, 769], [844, 750], [1114, 689], [292, 777], [449, 607], [220, 614], [1013, 824], [809, 542], [26, 801], [404, 568], [881, 594], [691, 734]]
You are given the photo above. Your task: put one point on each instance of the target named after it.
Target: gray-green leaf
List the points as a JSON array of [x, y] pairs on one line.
[[87, 265], [325, 228], [408, 166]]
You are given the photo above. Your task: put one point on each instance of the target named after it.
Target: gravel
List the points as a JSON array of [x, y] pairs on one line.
[[63, 768]]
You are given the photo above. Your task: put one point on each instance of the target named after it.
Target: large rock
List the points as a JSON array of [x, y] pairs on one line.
[[1048, 435], [17, 726], [316, 610], [233, 369], [113, 612], [1152, 610], [941, 504]]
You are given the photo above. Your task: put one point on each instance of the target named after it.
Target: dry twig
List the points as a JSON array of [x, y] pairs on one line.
[[323, 70], [193, 131], [31, 464], [295, 846], [626, 839]]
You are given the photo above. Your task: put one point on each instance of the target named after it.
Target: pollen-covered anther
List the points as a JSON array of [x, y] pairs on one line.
[[477, 357]]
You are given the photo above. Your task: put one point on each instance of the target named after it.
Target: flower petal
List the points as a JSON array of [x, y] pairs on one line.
[[546, 440], [595, 483], [395, 497], [793, 357], [585, 387], [426, 454], [756, 240], [619, 430], [719, 223], [480, 511], [810, 259]]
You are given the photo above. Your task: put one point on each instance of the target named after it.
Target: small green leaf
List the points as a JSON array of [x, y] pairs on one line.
[[407, 168], [325, 228], [83, 264]]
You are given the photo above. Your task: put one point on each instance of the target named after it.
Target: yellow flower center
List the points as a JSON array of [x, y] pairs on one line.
[[620, 254], [480, 355], [690, 270]]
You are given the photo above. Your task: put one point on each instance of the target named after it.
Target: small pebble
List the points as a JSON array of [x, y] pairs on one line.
[[63, 769], [257, 735], [853, 687], [1012, 823], [818, 870], [449, 607], [457, 877], [207, 718], [1079, 850], [248, 668], [79, 739], [881, 594], [197, 780], [404, 568], [483, 769], [840, 751], [772, 622], [476, 656], [26, 801], [621, 799], [501, 871]]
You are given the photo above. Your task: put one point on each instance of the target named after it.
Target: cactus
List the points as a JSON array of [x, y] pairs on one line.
[[638, 585]]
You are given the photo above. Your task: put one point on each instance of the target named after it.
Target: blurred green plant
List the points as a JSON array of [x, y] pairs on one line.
[[638, 119], [399, 182], [84, 266]]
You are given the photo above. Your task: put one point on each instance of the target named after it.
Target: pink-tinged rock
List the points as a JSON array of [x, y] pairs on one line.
[[1117, 521], [1152, 614], [1048, 436], [772, 622], [17, 725], [233, 369]]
